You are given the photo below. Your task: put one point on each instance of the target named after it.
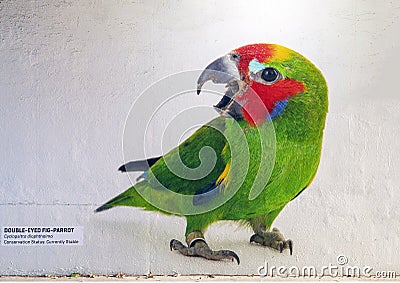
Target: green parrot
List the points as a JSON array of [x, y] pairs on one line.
[[247, 164]]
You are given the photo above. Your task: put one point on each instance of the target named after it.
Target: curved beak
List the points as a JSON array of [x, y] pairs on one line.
[[224, 71], [221, 71]]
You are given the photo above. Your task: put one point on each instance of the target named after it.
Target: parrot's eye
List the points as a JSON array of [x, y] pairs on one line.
[[266, 75], [270, 75]]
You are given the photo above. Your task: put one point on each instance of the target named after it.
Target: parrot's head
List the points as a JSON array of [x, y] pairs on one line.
[[267, 81]]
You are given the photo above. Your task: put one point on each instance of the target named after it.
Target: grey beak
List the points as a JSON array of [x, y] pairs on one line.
[[221, 71]]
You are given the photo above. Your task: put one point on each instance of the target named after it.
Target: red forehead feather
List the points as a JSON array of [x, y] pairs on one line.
[[261, 52]]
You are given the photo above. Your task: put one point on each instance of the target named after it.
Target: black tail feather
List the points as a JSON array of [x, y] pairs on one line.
[[118, 200], [140, 165], [103, 207]]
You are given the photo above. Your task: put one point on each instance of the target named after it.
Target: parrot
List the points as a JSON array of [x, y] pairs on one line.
[[267, 143]]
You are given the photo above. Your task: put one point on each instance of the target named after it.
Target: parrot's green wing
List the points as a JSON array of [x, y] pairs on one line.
[[201, 181], [195, 164]]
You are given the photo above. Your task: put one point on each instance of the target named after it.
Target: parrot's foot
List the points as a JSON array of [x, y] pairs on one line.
[[273, 239], [197, 246]]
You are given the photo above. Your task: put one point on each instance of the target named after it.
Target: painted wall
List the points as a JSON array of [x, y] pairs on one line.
[[70, 71]]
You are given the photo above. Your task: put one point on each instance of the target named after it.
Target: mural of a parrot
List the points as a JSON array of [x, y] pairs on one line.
[[267, 84]]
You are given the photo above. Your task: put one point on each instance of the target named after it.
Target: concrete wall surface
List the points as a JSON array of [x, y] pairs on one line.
[[70, 71]]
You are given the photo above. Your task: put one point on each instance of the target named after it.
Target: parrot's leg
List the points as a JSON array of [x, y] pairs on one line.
[[273, 238], [197, 246]]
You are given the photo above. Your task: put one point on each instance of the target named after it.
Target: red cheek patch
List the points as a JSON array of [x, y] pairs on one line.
[[261, 99]]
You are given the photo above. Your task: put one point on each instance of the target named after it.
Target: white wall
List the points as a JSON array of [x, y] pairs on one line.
[[70, 71]]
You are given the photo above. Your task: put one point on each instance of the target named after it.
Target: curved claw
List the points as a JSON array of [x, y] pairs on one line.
[[290, 244], [257, 239], [176, 245], [235, 256], [225, 254], [281, 246], [253, 238]]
